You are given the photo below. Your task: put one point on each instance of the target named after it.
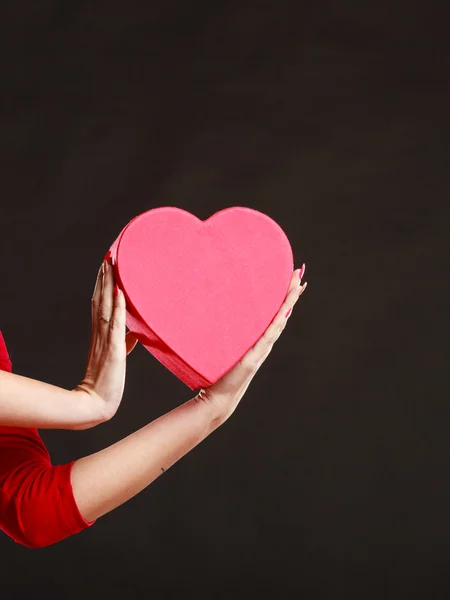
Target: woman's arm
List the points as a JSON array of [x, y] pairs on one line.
[[110, 477], [26, 402], [106, 479]]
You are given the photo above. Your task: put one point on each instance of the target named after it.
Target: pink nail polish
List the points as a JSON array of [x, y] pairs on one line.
[[302, 271], [107, 256], [116, 290], [288, 313]]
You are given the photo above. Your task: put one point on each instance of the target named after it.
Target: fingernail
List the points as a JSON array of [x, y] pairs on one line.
[[288, 313], [107, 256], [116, 290], [302, 271]]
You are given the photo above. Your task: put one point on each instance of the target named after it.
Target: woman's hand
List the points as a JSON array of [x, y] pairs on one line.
[[108, 478], [225, 394], [27, 402], [105, 372]]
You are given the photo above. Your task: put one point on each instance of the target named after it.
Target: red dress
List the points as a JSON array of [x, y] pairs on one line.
[[37, 506]]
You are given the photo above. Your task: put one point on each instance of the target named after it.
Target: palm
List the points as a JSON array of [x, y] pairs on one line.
[[227, 391]]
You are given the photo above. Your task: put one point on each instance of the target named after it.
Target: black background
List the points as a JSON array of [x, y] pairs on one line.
[[332, 477]]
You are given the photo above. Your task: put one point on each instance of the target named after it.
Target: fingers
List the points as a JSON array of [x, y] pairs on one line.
[[118, 319], [289, 311], [131, 341], [95, 301], [237, 380], [105, 309], [296, 278], [273, 332], [109, 311]]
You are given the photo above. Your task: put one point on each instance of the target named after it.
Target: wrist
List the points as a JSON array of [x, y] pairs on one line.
[[214, 410], [91, 408]]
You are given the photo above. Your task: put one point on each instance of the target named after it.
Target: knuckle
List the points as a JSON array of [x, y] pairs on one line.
[[252, 361], [116, 323], [270, 338], [115, 347], [104, 315], [248, 363]]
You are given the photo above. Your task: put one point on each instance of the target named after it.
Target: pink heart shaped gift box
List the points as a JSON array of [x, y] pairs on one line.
[[199, 293]]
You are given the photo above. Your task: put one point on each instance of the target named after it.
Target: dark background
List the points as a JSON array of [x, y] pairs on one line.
[[332, 478]]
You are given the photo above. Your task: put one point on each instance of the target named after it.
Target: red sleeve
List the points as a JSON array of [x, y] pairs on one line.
[[37, 505], [5, 363]]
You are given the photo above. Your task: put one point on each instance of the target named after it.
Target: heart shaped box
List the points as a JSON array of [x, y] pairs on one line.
[[199, 293]]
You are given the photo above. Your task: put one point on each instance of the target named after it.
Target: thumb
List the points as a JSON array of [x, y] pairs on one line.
[[130, 341]]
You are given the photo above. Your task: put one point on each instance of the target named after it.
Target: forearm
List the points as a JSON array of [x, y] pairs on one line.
[[26, 402], [107, 479]]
